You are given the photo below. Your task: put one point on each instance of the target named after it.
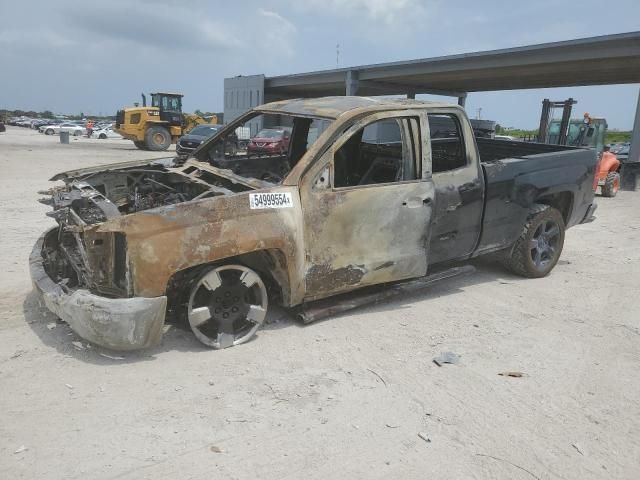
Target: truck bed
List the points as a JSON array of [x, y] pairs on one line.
[[492, 150], [519, 174]]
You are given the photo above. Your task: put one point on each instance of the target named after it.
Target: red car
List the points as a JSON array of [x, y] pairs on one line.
[[270, 141]]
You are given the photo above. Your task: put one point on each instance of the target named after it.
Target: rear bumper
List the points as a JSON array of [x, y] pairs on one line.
[[114, 323], [589, 216]]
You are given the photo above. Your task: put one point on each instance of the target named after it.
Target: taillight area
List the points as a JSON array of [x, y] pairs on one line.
[[596, 173]]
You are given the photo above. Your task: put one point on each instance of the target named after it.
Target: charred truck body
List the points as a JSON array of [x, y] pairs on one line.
[[369, 191]]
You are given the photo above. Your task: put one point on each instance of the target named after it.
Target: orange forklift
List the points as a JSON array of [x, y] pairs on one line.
[[587, 132]]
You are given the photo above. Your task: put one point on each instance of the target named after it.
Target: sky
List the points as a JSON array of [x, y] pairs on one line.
[[95, 57]]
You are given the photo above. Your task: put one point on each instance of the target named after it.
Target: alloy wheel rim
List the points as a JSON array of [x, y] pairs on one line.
[[227, 306], [543, 246]]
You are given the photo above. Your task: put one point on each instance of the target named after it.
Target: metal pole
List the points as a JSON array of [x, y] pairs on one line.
[[544, 121], [631, 167], [462, 99], [566, 119], [351, 83]]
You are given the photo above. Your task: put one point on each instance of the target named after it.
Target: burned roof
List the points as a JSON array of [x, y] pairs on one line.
[[333, 107]]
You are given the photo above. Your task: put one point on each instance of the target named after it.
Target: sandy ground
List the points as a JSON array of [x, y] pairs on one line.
[[343, 398]]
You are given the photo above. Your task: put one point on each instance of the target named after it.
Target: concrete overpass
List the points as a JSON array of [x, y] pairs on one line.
[[602, 60]]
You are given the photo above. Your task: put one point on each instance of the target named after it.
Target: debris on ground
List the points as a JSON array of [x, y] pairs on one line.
[[446, 357], [578, 448], [21, 449], [69, 386], [508, 462], [78, 345], [512, 374], [424, 437], [378, 375], [215, 449], [112, 357], [18, 353], [51, 325]]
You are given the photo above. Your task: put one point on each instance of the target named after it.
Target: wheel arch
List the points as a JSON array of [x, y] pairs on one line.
[[561, 201], [270, 264]]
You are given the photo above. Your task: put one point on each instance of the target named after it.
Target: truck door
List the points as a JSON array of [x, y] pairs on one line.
[[459, 187], [367, 206]]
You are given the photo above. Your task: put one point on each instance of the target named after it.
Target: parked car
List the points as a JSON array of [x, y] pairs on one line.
[[48, 123], [270, 141], [615, 148], [72, 128], [105, 133], [137, 238], [623, 153], [189, 142]]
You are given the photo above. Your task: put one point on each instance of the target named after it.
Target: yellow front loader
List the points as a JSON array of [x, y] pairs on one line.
[[157, 126]]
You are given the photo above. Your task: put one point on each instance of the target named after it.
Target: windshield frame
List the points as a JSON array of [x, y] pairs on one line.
[[201, 153]]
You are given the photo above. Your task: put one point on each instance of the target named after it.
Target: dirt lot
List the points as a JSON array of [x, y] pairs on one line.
[[343, 398]]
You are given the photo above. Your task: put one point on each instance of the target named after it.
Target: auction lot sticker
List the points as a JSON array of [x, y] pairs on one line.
[[270, 200]]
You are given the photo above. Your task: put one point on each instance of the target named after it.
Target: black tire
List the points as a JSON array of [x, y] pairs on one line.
[[48, 131], [77, 133], [157, 139], [538, 249], [140, 145], [611, 185], [102, 136]]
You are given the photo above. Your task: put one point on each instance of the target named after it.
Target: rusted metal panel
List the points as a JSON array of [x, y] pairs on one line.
[[181, 236], [343, 303]]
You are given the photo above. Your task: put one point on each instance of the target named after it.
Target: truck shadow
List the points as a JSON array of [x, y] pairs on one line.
[[55, 333], [486, 271], [178, 336]]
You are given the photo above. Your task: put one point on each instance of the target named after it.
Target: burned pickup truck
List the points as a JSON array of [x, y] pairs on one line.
[[368, 192]]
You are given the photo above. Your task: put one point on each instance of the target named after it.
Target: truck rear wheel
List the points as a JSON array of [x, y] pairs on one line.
[[227, 304], [611, 185], [537, 250], [157, 139]]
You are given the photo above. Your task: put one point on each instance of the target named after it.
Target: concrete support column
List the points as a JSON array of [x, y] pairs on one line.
[[631, 169], [411, 95], [351, 83], [462, 99]]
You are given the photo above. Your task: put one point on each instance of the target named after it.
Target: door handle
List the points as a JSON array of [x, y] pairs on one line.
[[470, 192], [465, 187], [415, 202]]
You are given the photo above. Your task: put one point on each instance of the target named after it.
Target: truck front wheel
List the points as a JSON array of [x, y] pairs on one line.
[[539, 246], [611, 185], [227, 304], [140, 145], [157, 139]]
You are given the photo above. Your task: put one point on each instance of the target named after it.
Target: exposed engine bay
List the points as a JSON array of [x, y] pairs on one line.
[[97, 197], [78, 254]]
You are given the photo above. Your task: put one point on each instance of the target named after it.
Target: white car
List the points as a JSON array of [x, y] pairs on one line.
[[72, 128], [105, 133]]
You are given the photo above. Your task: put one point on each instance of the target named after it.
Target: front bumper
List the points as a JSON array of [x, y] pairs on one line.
[[114, 323], [180, 150], [589, 216]]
